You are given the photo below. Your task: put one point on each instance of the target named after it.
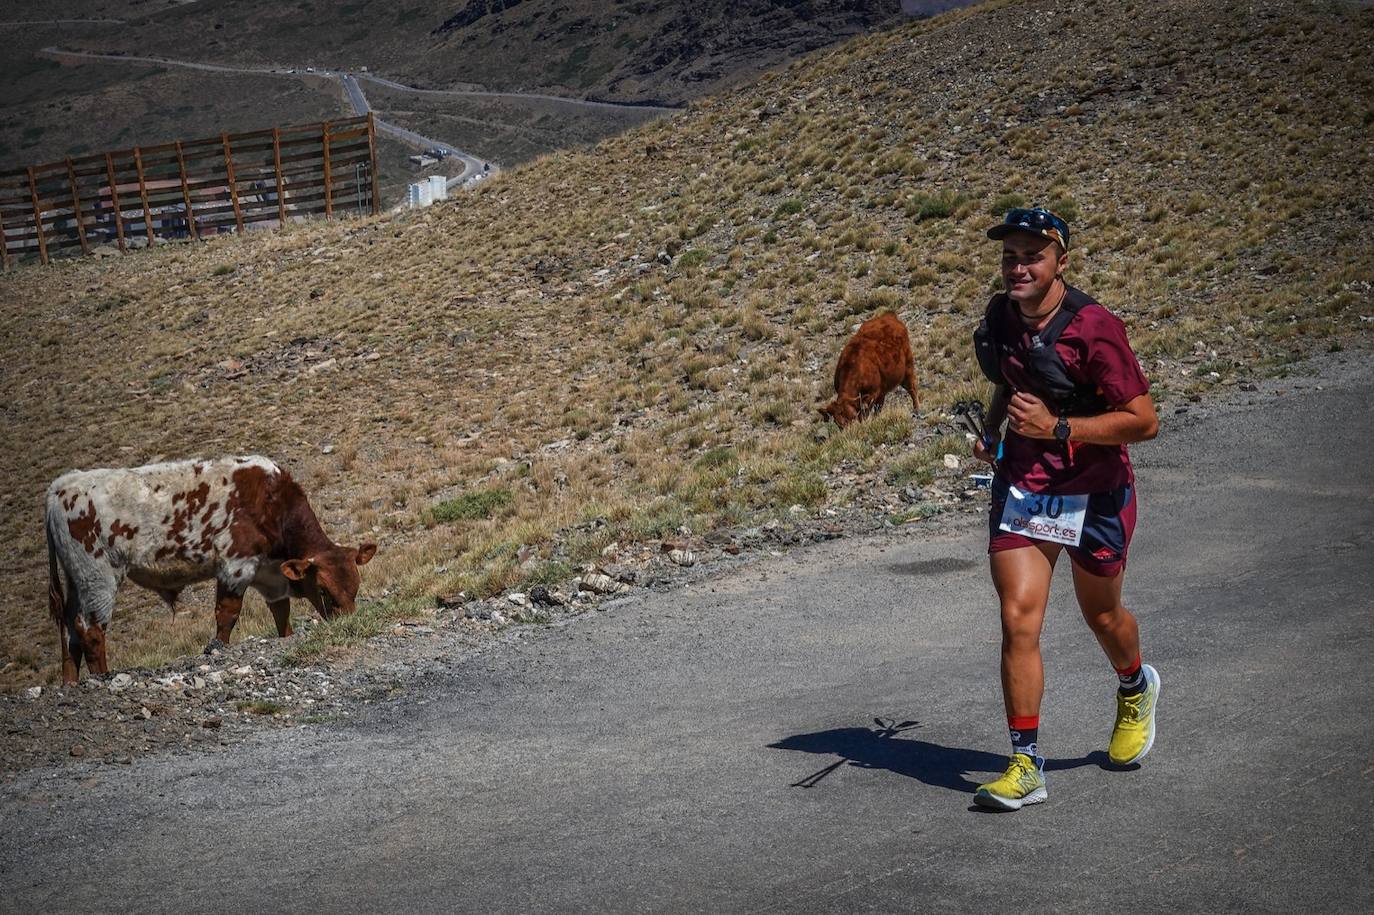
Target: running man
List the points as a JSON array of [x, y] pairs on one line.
[[1073, 396]]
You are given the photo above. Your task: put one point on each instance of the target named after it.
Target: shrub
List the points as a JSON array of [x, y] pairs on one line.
[[934, 206], [1003, 202]]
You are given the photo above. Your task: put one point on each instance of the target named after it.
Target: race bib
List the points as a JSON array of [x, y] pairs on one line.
[[1043, 516]]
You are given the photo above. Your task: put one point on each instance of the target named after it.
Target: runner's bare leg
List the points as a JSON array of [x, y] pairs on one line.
[[1022, 579], [1115, 627]]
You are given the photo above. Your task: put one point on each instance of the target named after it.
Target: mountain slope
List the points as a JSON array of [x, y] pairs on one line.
[[529, 340]]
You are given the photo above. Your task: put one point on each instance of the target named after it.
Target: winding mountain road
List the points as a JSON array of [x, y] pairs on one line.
[[804, 734]]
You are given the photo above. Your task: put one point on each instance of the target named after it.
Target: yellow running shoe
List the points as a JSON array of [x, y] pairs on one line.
[[1134, 733], [1022, 784]]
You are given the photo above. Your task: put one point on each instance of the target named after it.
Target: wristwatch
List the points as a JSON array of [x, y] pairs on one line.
[[1061, 429]]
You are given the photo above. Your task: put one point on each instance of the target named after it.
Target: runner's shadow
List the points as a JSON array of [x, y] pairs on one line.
[[923, 760]]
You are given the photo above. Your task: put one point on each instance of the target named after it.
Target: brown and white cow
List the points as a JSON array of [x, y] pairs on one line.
[[239, 520], [875, 361]]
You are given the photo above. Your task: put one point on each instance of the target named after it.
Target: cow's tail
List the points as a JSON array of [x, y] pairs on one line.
[[57, 600]]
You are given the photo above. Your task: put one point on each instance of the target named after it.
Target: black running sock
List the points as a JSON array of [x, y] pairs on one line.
[[1025, 734], [1132, 679]]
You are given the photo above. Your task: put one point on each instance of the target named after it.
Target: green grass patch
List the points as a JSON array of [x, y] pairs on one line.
[[260, 707], [693, 257], [473, 506], [370, 619]]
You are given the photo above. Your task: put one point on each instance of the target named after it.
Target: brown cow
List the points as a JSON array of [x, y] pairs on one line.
[[241, 521], [875, 361]]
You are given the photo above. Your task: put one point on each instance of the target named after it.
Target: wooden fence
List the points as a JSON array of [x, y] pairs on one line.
[[189, 188]]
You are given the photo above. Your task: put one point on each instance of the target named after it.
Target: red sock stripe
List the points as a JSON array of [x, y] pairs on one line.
[[1131, 670], [1023, 722]]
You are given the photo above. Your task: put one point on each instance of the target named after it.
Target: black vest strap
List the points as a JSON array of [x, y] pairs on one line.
[[1054, 385]]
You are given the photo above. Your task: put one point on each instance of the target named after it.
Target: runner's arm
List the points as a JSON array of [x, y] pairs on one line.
[[1134, 421], [992, 423]]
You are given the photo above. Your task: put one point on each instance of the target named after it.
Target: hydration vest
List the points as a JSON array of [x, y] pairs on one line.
[[1051, 381]]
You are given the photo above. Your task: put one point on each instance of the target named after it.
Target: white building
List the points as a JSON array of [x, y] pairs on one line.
[[419, 195]]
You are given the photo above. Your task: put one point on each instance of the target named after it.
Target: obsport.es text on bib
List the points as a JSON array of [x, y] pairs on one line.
[[1044, 516]]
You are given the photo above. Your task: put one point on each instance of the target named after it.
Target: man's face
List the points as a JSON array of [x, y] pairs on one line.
[[1030, 263]]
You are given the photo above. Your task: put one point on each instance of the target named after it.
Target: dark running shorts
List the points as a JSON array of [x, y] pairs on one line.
[[1107, 530]]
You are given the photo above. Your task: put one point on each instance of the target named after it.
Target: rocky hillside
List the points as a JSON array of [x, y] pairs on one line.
[[621, 51], [625, 344], [636, 50]]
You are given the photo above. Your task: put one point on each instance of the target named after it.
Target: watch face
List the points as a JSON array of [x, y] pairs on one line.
[[1061, 429]]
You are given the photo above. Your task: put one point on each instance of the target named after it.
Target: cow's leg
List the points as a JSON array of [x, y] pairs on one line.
[[281, 613], [72, 651], [228, 604], [96, 659], [909, 382], [87, 617]]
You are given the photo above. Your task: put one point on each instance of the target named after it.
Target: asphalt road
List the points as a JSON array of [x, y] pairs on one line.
[[715, 749], [471, 164]]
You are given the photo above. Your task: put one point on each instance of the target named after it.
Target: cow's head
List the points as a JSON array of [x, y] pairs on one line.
[[329, 578], [842, 410]]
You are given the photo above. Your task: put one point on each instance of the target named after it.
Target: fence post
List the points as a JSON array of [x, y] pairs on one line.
[[76, 207], [328, 177], [37, 217], [143, 195], [276, 163], [186, 195], [233, 185], [114, 201], [372, 161]]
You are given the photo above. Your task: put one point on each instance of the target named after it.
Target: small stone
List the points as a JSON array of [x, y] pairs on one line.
[[33, 692], [212, 723], [598, 583], [498, 618], [451, 601], [683, 557], [544, 597], [121, 682], [796, 510], [952, 461], [327, 449], [143, 710], [244, 671], [732, 548], [518, 598], [77, 750], [199, 682]]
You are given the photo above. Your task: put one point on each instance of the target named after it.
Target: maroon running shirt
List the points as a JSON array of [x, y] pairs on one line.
[[1095, 350]]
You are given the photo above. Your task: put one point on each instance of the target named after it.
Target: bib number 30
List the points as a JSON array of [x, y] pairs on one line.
[[1045, 516]]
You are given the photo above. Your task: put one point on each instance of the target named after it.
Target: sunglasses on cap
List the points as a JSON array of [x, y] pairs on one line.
[[1036, 220]]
